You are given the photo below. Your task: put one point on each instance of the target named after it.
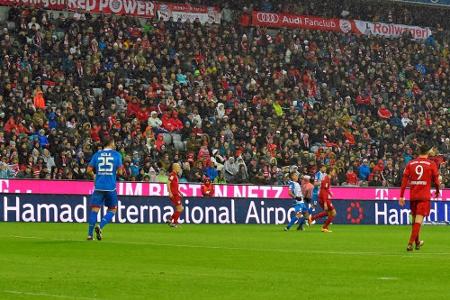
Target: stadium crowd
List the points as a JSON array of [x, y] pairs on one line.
[[233, 103]]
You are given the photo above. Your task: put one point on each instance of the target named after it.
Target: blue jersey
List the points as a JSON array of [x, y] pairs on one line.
[[318, 177], [105, 163], [295, 189]]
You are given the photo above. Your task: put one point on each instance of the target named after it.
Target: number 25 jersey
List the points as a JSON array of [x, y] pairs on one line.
[[420, 172], [105, 163]]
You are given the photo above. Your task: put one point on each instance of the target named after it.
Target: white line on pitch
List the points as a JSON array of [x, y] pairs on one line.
[[26, 237], [387, 278], [48, 295], [366, 253]]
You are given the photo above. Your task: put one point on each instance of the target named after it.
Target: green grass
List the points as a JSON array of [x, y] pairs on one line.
[[53, 261]]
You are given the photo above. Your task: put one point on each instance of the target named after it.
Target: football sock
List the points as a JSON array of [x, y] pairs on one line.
[[175, 217], [414, 232], [328, 221], [319, 215], [92, 220], [292, 222], [107, 218], [417, 238], [301, 221]]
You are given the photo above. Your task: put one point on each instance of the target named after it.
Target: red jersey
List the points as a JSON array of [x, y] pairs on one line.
[[208, 190], [419, 173], [325, 187], [173, 184]]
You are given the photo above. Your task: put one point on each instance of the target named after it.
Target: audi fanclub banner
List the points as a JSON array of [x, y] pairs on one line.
[[74, 209], [337, 25], [185, 12], [67, 187]]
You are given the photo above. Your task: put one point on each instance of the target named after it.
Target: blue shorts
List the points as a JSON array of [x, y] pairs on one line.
[[107, 198], [301, 208]]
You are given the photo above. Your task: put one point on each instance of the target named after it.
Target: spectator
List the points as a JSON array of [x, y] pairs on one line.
[[364, 171], [207, 188], [220, 179], [351, 178]]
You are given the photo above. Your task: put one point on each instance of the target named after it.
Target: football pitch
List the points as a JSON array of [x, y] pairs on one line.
[[53, 261]]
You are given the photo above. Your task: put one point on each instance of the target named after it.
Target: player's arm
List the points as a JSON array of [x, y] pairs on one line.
[[120, 168], [435, 174], [291, 194], [326, 186], [405, 180], [91, 167], [90, 171], [168, 186]]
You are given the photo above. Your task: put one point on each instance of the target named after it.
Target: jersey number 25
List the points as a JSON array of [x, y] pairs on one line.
[[105, 164]]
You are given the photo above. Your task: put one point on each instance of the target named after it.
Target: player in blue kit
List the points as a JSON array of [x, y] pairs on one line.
[[300, 209], [317, 180], [106, 164]]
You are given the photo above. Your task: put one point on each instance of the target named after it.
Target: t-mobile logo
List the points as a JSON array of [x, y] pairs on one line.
[[4, 186], [381, 194]]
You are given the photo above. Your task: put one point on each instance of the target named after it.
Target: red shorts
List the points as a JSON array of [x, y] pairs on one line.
[[176, 200], [327, 200], [420, 208]]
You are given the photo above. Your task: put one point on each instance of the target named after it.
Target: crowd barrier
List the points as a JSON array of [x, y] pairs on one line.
[[67, 201]]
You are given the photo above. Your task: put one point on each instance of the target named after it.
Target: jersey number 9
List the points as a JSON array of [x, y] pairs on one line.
[[419, 172], [105, 164]]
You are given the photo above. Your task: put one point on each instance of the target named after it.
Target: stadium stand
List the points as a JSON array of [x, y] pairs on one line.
[[235, 103]]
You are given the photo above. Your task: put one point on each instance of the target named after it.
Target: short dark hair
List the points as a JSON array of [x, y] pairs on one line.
[[107, 142], [424, 149]]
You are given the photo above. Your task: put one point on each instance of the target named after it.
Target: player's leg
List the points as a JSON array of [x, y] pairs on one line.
[[418, 220], [96, 203], [110, 202], [178, 210], [303, 217], [413, 218], [293, 220], [322, 214], [419, 209], [301, 223], [331, 215]]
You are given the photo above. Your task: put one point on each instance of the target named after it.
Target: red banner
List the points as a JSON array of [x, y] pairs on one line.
[[265, 19], [260, 18], [135, 8]]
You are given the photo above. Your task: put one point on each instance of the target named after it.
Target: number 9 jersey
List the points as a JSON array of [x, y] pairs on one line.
[[105, 163], [420, 173]]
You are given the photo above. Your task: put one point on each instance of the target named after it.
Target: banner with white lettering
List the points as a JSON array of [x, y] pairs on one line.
[[185, 12], [200, 210], [135, 8], [74, 187], [389, 30], [268, 19]]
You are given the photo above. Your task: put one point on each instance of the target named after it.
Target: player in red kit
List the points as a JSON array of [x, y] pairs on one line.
[[175, 195], [419, 173], [325, 195]]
